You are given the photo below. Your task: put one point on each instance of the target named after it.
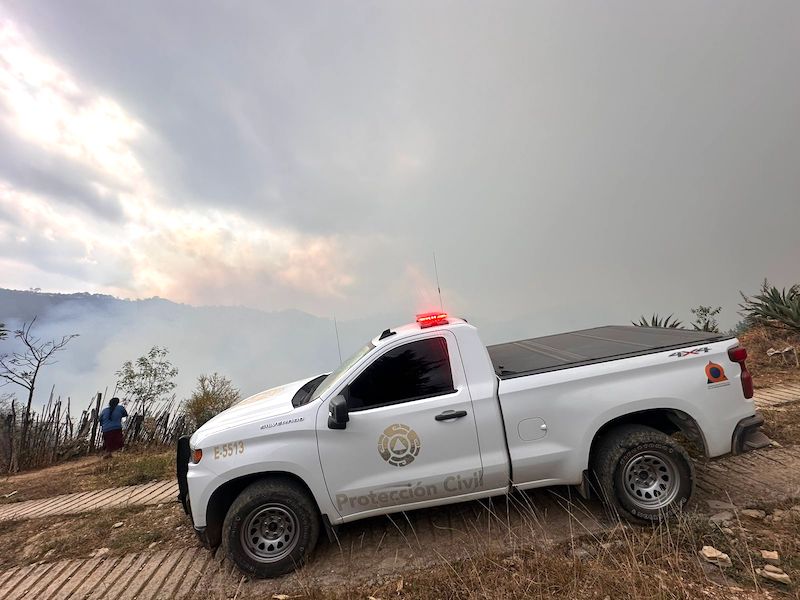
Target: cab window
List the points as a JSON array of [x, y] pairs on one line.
[[410, 372]]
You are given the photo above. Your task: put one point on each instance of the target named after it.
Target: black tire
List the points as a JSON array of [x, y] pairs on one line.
[[643, 474], [283, 525]]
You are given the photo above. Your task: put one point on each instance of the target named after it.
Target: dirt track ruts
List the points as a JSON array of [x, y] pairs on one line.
[[155, 492]]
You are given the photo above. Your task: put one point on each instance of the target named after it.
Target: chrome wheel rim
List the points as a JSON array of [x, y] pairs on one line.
[[650, 480], [270, 532]]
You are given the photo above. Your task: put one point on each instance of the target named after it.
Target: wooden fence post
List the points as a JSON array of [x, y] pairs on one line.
[[95, 419]]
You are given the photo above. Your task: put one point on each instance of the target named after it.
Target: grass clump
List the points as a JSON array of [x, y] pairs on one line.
[[142, 468], [133, 468]]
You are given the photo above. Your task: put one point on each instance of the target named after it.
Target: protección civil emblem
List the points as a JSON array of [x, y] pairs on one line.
[[399, 445]]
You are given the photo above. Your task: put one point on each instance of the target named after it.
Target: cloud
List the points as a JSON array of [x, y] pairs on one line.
[[26, 166], [46, 106], [225, 253], [568, 164], [152, 247]]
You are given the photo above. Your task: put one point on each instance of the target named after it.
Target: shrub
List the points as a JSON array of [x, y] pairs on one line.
[[705, 318], [214, 393]]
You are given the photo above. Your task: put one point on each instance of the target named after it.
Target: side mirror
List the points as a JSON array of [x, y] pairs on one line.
[[337, 413]]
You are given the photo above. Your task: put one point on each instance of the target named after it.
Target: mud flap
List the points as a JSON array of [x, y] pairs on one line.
[[748, 435], [585, 486], [756, 439], [330, 531]]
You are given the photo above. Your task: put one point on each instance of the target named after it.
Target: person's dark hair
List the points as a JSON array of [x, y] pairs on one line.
[[113, 402]]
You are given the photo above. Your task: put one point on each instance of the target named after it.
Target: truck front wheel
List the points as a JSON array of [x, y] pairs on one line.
[[270, 528], [643, 474]]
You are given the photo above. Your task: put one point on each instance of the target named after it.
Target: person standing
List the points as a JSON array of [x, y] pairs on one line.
[[111, 423]]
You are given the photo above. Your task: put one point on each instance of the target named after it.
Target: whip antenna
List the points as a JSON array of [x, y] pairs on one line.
[[438, 287], [338, 345]]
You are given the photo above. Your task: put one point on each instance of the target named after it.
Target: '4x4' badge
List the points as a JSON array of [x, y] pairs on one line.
[[399, 445]]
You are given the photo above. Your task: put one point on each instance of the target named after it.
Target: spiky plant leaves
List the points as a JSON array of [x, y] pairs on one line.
[[774, 307], [669, 322]]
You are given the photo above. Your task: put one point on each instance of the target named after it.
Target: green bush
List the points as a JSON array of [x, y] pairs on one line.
[[705, 318]]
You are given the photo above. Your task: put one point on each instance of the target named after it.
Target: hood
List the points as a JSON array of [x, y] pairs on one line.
[[264, 405]]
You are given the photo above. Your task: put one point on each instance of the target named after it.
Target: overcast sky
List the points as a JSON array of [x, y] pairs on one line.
[[569, 163]]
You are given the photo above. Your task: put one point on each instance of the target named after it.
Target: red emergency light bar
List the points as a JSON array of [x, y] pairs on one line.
[[431, 319]]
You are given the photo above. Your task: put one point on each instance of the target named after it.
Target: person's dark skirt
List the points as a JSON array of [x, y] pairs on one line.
[[113, 440]]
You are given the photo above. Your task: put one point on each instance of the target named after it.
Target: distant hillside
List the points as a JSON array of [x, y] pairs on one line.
[[256, 349]]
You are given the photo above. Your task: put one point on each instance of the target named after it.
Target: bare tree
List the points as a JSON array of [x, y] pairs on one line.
[[23, 367]]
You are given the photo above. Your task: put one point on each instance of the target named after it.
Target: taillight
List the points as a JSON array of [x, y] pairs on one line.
[[738, 354]]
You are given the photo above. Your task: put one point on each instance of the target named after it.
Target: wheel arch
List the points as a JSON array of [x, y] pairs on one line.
[[666, 420], [222, 498]]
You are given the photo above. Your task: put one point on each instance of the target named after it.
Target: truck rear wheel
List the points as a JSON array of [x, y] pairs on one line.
[[643, 474], [270, 528]]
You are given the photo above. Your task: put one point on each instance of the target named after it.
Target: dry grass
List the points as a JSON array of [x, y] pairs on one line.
[[770, 371], [782, 423], [623, 562], [78, 536], [90, 473], [133, 469]]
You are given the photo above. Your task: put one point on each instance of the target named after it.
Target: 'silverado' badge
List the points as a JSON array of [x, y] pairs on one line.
[[399, 445]]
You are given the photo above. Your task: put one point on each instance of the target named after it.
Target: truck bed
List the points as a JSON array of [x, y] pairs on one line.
[[589, 346]]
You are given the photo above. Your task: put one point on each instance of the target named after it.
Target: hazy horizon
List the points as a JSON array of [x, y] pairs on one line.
[[255, 348]]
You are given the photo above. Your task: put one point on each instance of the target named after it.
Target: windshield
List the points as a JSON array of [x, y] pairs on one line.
[[305, 393], [332, 379]]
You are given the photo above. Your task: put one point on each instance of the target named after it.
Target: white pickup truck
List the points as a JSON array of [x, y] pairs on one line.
[[425, 414]]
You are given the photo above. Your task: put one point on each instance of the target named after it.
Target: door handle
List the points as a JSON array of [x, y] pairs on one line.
[[450, 414]]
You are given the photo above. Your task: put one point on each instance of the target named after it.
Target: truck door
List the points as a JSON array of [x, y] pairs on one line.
[[411, 436]]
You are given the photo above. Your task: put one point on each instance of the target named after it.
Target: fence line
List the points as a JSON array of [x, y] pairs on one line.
[[53, 435]]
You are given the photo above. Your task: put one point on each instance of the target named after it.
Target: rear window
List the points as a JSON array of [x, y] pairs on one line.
[[409, 372]]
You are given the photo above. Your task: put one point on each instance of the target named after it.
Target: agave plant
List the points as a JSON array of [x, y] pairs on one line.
[[656, 321], [774, 307]]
